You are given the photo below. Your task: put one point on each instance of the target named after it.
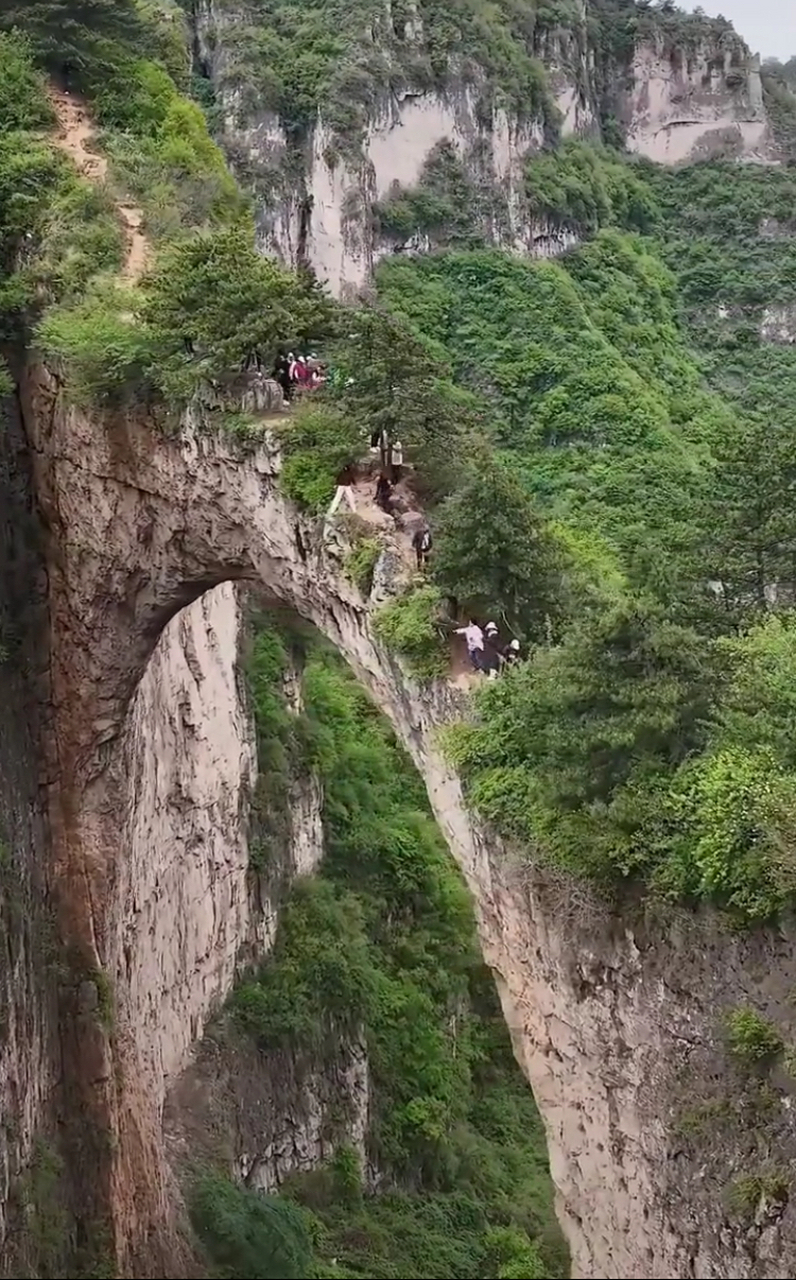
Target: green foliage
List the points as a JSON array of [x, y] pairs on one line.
[[24, 106], [361, 562], [586, 187], [319, 442], [77, 37], [280, 745], [745, 1194], [106, 354], [249, 1236], [212, 300], [413, 626], [494, 555], [445, 205], [750, 1038], [574, 751], [341, 59], [512, 1255], [671, 762], [400, 387], [160, 151], [591, 436], [382, 949], [320, 987]]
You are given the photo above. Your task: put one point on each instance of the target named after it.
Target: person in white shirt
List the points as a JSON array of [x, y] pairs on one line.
[[474, 639]]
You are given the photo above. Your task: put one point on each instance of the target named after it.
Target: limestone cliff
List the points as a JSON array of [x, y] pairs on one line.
[[617, 1022], [29, 1057], [326, 195]]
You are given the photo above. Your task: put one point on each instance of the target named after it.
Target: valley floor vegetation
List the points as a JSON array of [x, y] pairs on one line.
[[380, 949]]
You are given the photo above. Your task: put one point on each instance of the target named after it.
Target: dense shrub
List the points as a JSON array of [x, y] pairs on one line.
[[250, 1236], [106, 354]]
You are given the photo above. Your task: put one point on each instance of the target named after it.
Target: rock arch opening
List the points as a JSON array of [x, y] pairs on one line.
[[142, 525]]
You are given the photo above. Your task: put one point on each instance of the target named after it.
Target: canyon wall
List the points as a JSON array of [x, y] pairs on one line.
[[667, 1158], [29, 1052], [318, 197]]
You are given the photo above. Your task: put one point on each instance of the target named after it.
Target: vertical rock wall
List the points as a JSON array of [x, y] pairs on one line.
[[184, 908], [28, 959]]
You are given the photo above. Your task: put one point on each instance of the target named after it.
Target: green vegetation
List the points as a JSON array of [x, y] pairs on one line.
[[295, 59], [381, 949], [646, 739], [319, 443], [247, 1234], [210, 301], [363, 557], [751, 1039], [588, 188], [745, 1194], [445, 205], [414, 626]]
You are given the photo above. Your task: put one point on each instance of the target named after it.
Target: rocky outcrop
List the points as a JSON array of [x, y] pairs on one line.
[[318, 199], [619, 1023], [184, 908], [685, 106], [264, 1116]]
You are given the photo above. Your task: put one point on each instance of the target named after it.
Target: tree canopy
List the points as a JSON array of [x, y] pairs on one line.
[[212, 301], [496, 555]]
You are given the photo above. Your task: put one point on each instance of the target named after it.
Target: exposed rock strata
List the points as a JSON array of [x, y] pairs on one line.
[[314, 202], [618, 1028]]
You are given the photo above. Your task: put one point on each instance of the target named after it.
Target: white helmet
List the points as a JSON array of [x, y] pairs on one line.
[[515, 644], [491, 629]]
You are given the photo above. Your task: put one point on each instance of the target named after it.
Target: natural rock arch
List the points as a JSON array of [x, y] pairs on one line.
[[604, 1017], [140, 524]]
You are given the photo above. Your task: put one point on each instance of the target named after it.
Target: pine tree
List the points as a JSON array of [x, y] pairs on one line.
[[72, 37], [401, 389], [494, 554]]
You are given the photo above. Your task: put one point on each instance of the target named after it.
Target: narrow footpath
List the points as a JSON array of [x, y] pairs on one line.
[[75, 136]]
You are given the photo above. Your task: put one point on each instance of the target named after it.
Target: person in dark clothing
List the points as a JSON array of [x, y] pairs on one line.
[[383, 493], [511, 653], [422, 546], [493, 654], [282, 375]]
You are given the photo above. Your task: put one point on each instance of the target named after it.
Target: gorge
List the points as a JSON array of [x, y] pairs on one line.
[[144, 881]]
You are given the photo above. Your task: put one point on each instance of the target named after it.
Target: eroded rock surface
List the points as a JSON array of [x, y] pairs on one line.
[[617, 1025]]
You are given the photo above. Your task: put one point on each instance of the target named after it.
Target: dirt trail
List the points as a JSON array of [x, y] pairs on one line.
[[75, 137], [461, 673]]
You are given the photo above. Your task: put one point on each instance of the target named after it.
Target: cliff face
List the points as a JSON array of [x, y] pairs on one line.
[[682, 107], [29, 1058], [619, 1026], [185, 914], [329, 198]]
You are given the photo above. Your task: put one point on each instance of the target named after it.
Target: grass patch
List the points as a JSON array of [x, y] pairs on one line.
[[751, 1039]]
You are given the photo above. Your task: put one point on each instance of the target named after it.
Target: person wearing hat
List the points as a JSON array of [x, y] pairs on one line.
[[492, 652], [511, 652]]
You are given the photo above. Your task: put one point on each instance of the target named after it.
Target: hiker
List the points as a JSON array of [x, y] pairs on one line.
[[422, 545], [383, 493], [282, 375], [396, 461], [492, 660], [474, 639], [301, 373], [493, 655], [291, 366], [511, 653]]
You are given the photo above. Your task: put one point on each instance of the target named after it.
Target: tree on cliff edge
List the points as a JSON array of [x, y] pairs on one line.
[[74, 38]]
